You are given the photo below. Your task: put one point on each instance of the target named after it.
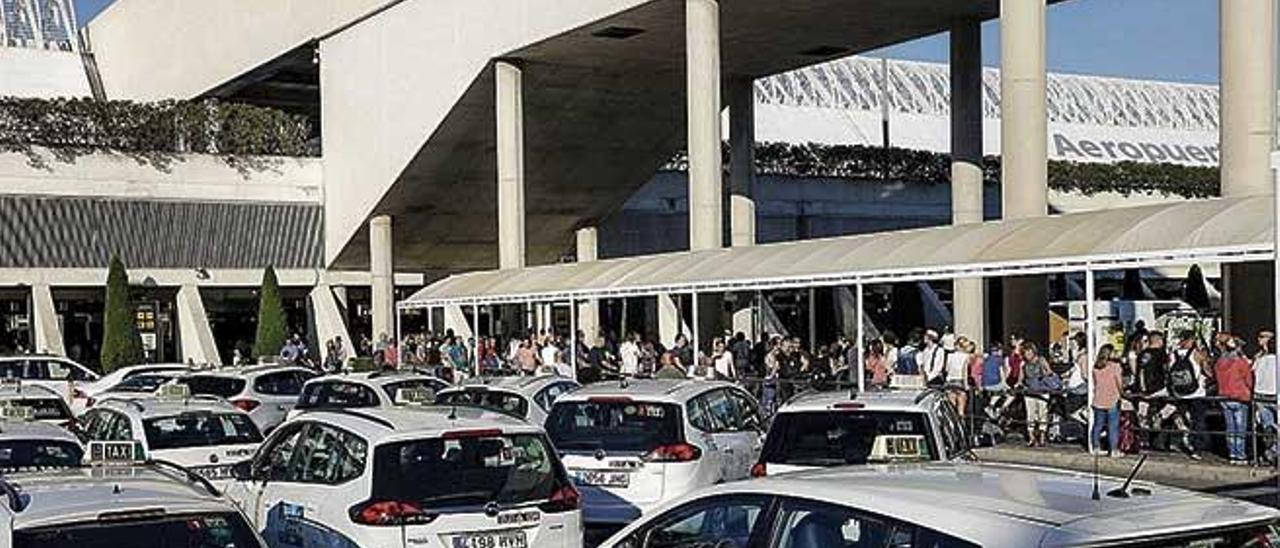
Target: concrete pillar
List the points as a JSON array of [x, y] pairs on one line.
[[969, 296], [194, 332], [742, 161], [589, 309], [702, 51], [46, 331], [383, 283], [1248, 112], [509, 112], [329, 322], [1024, 143]]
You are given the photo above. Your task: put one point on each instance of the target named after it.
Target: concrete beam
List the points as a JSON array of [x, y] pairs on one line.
[[509, 112], [46, 331], [381, 285], [194, 332], [969, 295], [327, 316], [702, 54], [177, 277], [742, 161]]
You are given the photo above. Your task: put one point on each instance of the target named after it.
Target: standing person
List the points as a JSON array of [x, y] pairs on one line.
[[1037, 384], [957, 373], [331, 363], [723, 364], [1186, 380], [876, 363], [547, 354], [1264, 389], [1235, 384], [932, 360], [629, 355], [1108, 384], [526, 358], [1150, 384], [908, 363], [741, 350], [683, 350], [890, 341], [994, 372]]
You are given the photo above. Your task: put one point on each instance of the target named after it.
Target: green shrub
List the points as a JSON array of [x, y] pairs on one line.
[[271, 321], [121, 345]]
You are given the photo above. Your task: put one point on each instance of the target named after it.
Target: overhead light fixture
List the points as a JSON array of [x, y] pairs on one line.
[[826, 51], [617, 33]]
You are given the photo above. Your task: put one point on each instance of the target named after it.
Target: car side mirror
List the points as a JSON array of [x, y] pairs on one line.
[[242, 471]]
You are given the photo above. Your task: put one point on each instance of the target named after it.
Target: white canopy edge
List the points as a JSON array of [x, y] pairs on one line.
[[1215, 231]]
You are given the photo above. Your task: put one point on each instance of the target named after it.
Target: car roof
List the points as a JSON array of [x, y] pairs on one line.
[[246, 371], [985, 503], [661, 390], [26, 392], [149, 406], [34, 430], [380, 425], [879, 400], [525, 385], [376, 378], [72, 495]]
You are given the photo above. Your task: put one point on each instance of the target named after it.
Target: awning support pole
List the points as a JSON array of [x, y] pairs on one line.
[[475, 336], [573, 337], [694, 328], [813, 321], [1091, 338], [862, 340]]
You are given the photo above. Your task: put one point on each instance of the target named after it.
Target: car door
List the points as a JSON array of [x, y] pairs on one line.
[[278, 393], [305, 505], [262, 493], [731, 520], [705, 432], [751, 425]]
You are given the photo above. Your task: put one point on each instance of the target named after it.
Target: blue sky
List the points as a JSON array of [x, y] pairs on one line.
[[1152, 39]]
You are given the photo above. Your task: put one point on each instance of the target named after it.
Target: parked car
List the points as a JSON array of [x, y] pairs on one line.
[[56, 373], [265, 392], [32, 444], [527, 398], [632, 446], [410, 476], [43, 404], [364, 390], [91, 390]]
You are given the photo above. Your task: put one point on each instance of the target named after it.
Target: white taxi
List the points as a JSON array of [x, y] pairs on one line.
[[410, 477], [27, 443], [523, 397], [822, 429], [125, 505], [943, 505], [205, 434], [265, 392], [632, 446], [46, 405], [364, 390]]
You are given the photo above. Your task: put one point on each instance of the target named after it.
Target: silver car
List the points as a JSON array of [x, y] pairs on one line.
[[266, 392]]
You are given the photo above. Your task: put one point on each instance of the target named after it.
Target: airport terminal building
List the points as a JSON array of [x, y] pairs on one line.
[[452, 137]]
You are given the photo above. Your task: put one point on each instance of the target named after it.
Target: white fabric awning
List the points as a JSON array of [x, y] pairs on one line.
[[1218, 230]]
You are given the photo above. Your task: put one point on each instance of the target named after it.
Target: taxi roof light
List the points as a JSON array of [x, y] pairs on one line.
[[173, 392], [10, 412], [115, 453], [415, 396]]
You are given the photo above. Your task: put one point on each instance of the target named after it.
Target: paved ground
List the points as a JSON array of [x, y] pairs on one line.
[[1210, 475]]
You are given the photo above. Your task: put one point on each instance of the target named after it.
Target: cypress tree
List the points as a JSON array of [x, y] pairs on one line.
[[271, 323], [121, 345]]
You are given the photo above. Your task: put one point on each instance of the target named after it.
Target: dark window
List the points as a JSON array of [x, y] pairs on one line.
[[808, 524], [210, 385], [952, 430], [548, 396], [141, 384], [20, 453], [327, 455], [200, 429], [336, 395], [220, 530], [18, 369], [59, 370], [748, 410], [614, 425], [493, 400], [109, 426], [284, 383], [834, 438], [442, 473], [272, 461], [706, 522]]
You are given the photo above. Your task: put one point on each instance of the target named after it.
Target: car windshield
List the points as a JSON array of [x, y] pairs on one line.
[[212, 530], [835, 438], [200, 429], [223, 387], [26, 453], [493, 400], [336, 395], [142, 383], [51, 409], [1249, 536], [614, 426], [455, 472]]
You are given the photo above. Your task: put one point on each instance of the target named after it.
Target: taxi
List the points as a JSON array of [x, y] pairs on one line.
[[412, 476], [118, 502], [28, 443], [265, 392], [839, 428], [206, 434], [524, 397], [952, 506], [364, 390], [46, 404], [631, 446]]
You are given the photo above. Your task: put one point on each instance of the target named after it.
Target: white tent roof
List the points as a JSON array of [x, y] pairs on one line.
[[1220, 230]]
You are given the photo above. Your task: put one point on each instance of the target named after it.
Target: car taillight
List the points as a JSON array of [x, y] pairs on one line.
[[676, 452], [390, 512], [759, 470], [246, 405], [564, 499]]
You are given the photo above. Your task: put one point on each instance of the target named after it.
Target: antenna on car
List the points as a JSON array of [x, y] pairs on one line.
[[1122, 492], [1096, 494]]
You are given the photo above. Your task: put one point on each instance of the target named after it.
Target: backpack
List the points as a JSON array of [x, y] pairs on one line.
[[1182, 375], [907, 361]]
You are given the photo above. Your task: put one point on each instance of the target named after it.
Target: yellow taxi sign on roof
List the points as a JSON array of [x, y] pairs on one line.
[[174, 392], [105, 453], [415, 396], [891, 448], [10, 412]]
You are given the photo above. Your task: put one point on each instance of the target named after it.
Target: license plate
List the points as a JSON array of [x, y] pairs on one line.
[[213, 472], [603, 479], [503, 539]]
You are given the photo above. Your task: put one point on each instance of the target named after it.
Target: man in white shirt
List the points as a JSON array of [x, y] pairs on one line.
[[1264, 387], [629, 355], [932, 358], [548, 352]]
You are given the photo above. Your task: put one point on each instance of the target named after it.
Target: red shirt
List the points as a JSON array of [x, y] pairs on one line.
[[1235, 378]]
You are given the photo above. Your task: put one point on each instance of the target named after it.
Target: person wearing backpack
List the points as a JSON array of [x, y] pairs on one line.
[[1235, 383], [1186, 384], [992, 379]]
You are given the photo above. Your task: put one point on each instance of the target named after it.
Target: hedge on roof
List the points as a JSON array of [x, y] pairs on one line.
[[859, 162], [204, 126]]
